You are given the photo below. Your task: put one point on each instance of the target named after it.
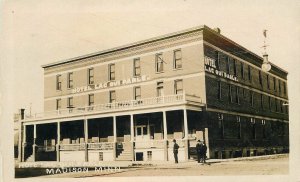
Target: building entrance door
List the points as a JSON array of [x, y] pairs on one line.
[[142, 132]]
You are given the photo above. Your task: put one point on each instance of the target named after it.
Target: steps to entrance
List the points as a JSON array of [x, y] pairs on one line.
[[30, 159], [125, 154]]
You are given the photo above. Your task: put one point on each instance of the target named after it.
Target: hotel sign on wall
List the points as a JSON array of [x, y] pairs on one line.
[[111, 84], [210, 66]]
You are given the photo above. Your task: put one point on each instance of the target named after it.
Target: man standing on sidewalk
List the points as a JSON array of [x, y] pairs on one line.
[[175, 151], [198, 150]]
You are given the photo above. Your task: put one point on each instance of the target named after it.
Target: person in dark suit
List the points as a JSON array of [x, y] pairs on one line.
[[203, 152], [175, 151], [198, 150]]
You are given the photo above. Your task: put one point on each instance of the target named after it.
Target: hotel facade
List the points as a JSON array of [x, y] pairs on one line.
[[130, 102]]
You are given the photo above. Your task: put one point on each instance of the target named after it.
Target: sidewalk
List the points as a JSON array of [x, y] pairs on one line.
[[126, 164]]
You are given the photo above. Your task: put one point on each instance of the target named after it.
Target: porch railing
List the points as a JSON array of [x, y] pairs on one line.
[[112, 106], [149, 144], [46, 148], [101, 146], [72, 147]]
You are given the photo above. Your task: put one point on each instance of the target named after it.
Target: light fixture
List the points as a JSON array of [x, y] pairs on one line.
[[266, 66]]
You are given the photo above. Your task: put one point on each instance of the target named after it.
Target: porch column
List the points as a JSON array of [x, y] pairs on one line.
[[20, 142], [58, 142], [206, 142], [86, 136], [23, 142], [185, 121], [165, 136], [115, 137], [34, 143], [132, 136]]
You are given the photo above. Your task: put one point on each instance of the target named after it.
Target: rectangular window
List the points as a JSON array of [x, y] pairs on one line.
[[91, 76], [284, 88], [263, 123], [276, 105], [249, 73], [70, 102], [281, 106], [253, 128], [136, 67], [262, 101], [238, 120], [177, 59], [58, 82], [111, 72], [137, 93], [244, 92], [237, 96], [178, 87], [159, 63], [58, 104], [234, 68], [219, 90], [230, 93], [242, 70], [221, 125], [70, 80], [160, 89], [274, 81], [91, 99], [279, 86], [112, 96], [228, 65], [270, 104], [252, 98], [260, 78], [218, 60], [268, 81]]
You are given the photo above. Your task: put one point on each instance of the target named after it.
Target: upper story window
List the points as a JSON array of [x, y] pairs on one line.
[[111, 72], [91, 76], [249, 73], [260, 77], [136, 67], [279, 86], [217, 60], [178, 87], [284, 88], [228, 65], [160, 89], [177, 59], [268, 81], [112, 96], [230, 93], [137, 93], [159, 63], [276, 105], [70, 102], [70, 80], [270, 103], [234, 68], [58, 82], [237, 96], [252, 98], [262, 101], [274, 81], [242, 70], [58, 104], [91, 99], [219, 90]]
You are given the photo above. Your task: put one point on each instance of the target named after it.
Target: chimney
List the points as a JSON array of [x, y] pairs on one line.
[[22, 114]]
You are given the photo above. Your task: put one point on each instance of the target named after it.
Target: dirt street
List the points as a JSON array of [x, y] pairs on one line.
[[279, 166]]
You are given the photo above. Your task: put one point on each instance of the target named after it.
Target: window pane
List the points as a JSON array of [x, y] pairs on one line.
[[138, 131], [145, 132]]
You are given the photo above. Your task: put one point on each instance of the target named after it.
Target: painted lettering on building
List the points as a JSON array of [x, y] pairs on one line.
[[110, 84], [210, 66]]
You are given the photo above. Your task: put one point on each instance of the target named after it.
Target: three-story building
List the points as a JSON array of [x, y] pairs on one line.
[[130, 102]]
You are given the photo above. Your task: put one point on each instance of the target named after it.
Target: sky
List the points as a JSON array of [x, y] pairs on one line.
[[33, 33]]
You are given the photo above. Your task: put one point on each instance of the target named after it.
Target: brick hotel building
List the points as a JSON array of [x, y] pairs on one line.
[[130, 102]]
